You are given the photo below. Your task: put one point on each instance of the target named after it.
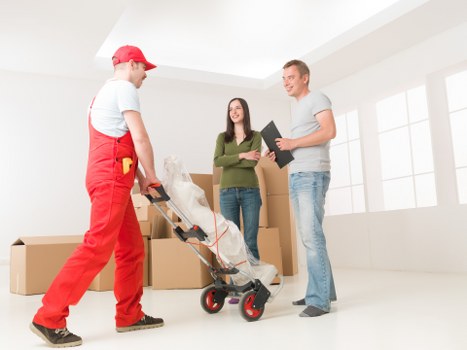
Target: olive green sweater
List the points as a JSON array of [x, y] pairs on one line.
[[237, 172]]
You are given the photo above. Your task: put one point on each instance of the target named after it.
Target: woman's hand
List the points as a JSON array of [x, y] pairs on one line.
[[252, 155]]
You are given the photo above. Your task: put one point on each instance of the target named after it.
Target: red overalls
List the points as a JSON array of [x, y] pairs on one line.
[[114, 227]]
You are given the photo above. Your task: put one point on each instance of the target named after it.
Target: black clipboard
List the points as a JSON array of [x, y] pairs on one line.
[[269, 134]]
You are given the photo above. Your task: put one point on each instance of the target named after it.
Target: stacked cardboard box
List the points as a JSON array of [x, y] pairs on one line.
[[269, 246], [280, 212], [169, 262]]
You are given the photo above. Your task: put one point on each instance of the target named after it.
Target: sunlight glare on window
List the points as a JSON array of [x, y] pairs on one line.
[[395, 153], [456, 88], [346, 191], [407, 168], [392, 112]]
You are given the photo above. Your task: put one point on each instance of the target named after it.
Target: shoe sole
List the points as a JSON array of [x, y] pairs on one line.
[[137, 328], [49, 343]]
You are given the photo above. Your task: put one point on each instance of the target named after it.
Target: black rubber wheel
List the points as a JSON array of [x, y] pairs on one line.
[[246, 307], [207, 301]]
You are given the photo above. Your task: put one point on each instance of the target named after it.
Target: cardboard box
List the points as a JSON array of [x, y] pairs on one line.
[[145, 227], [263, 213], [35, 261], [180, 224], [280, 212], [205, 182], [159, 226], [280, 216], [139, 200], [104, 281], [277, 180], [270, 248], [175, 266], [173, 216], [146, 213], [216, 175], [216, 198]]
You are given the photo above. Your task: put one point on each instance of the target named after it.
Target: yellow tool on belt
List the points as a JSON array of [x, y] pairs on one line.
[[126, 163]]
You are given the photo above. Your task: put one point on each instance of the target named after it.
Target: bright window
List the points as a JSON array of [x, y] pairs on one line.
[[406, 152], [346, 191], [456, 87]]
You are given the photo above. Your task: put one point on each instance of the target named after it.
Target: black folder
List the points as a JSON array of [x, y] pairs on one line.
[[269, 134]]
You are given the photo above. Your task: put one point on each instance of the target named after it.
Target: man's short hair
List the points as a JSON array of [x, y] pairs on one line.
[[301, 66]]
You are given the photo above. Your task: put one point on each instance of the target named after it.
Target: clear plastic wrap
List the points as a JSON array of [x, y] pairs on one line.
[[224, 238]]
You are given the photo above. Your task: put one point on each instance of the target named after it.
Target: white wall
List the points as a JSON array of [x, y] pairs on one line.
[[185, 118], [424, 239], [44, 139], [44, 143]]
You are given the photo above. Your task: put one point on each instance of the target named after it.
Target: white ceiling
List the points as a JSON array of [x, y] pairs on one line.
[[246, 38], [230, 42]]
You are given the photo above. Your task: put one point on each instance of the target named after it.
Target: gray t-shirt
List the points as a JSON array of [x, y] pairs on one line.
[[314, 158]]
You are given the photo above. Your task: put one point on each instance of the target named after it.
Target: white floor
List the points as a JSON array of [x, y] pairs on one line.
[[376, 310]]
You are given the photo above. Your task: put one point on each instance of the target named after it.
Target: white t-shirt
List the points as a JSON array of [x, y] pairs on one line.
[[304, 122], [115, 97]]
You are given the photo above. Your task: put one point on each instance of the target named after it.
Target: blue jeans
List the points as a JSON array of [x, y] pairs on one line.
[[308, 193], [249, 200]]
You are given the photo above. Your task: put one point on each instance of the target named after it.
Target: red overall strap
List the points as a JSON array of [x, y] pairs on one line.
[[90, 107]]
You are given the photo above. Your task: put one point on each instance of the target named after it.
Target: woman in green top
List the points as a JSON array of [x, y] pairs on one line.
[[238, 152]]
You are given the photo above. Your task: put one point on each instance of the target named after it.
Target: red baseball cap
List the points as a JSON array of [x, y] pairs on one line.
[[127, 53]]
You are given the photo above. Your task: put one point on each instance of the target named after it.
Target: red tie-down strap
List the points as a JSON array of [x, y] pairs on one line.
[[216, 243]]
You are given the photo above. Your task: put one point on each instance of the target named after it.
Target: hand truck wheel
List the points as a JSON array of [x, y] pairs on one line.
[[246, 307], [208, 303]]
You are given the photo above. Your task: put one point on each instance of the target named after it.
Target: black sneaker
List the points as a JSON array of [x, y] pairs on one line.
[[56, 338], [145, 323]]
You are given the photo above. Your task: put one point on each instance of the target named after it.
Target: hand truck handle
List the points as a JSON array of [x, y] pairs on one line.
[[160, 189]]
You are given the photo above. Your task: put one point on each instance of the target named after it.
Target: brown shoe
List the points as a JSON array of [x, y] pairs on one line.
[[56, 338], [145, 323]]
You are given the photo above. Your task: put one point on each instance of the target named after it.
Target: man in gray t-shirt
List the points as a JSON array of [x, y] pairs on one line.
[[312, 128], [304, 122]]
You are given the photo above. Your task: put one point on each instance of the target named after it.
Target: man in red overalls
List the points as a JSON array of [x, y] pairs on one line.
[[118, 140]]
